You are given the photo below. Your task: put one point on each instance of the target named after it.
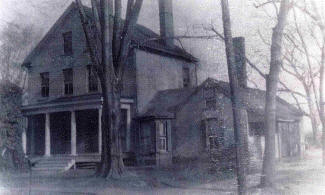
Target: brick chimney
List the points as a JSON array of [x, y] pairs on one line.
[[166, 21], [240, 60]]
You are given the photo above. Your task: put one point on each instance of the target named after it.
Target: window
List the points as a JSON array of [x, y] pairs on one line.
[[45, 82], [92, 79], [211, 104], [186, 77], [68, 81], [162, 133], [214, 134], [67, 43], [147, 143]]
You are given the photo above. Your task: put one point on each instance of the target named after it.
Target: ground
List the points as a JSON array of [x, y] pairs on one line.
[[305, 176]]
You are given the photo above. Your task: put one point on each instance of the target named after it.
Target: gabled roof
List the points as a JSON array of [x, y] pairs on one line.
[[143, 38], [165, 103]]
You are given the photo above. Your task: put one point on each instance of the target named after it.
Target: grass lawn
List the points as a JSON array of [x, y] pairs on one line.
[[306, 176]]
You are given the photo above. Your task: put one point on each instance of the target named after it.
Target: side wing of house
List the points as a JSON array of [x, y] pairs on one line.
[[156, 72], [203, 124]]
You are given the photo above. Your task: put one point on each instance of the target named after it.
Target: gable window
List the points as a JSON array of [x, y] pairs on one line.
[[45, 82], [211, 104], [92, 79], [212, 133], [67, 43], [186, 77], [68, 81], [162, 133]]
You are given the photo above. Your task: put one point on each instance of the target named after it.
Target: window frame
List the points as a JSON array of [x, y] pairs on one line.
[[186, 77], [67, 82], [90, 79], [163, 136], [67, 43], [218, 134], [45, 84]]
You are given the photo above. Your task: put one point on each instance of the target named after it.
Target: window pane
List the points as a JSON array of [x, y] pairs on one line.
[[211, 104], [92, 79], [162, 143], [186, 76], [162, 129], [67, 43], [68, 81], [45, 84]]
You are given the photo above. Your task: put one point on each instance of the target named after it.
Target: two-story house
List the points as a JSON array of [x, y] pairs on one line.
[[63, 99]]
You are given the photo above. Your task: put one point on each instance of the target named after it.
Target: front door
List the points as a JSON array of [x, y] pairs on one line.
[[60, 123], [87, 131], [36, 135]]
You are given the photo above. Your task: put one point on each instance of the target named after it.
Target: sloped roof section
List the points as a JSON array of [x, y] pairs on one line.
[[161, 106], [166, 102], [255, 99], [143, 38]]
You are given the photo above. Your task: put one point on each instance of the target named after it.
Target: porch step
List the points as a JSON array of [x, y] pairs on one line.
[[59, 164], [86, 165]]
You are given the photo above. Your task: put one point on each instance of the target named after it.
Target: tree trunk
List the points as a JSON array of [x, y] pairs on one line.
[[268, 172], [105, 164], [239, 112], [312, 115], [321, 97], [117, 165]]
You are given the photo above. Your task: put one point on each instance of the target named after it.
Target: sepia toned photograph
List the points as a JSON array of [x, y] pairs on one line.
[[159, 97]]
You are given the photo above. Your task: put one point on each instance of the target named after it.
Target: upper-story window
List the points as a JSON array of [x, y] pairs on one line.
[[45, 84], [186, 77], [92, 79], [67, 43], [68, 81]]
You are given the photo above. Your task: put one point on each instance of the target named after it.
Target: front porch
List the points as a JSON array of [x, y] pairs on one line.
[[69, 131], [66, 133]]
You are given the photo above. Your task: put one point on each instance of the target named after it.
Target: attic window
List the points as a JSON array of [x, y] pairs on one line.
[[67, 43], [211, 104], [45, 82], [215, 132], [186, 77]]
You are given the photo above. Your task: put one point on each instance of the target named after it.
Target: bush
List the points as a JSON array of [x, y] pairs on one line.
[[11, 126]]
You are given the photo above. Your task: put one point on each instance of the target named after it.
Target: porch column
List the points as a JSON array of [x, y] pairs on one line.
[[24, 137], [47, 135], [100, 111], [73, 134]]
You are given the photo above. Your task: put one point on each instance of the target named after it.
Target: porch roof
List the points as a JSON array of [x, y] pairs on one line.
[[67, 103]]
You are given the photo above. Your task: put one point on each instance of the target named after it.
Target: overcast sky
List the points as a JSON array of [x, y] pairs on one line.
[[189, 17]]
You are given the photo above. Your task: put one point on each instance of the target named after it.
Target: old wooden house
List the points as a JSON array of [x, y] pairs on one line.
[[166, 115]]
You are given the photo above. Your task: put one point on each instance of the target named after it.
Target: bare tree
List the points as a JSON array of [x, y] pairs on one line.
[[109, 59], [239, 112], [272, 81], [16, 42]]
